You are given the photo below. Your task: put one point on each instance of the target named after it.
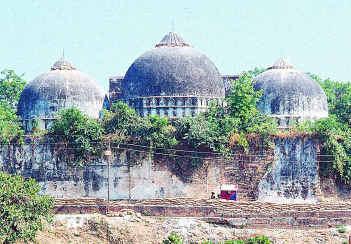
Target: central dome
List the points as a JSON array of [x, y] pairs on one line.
[[172, 68]]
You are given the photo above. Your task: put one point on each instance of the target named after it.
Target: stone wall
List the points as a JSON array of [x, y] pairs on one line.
[[142, 176], [290, 168]]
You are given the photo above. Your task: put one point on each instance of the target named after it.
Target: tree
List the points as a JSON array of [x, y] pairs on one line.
[[77, 133], [11, 87], [124, 122], [23, 211], [220, 128], [156, 132], [339, 98], [335, 131], [10, 128], [121, 120]]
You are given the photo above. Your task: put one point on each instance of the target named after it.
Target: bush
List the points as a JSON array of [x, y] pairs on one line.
[[221, 128], [173, 238], [336, 141], [79, 135], [128, 126], [23, 211], [341, 229]]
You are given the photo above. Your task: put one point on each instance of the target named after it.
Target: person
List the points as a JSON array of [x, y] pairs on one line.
[[213, 196]]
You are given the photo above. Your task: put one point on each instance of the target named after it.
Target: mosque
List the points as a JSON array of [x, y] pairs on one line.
[[173, 79]]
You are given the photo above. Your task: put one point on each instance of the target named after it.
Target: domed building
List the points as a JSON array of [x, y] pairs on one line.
[[290, 95], [62, 87], [173, 79]]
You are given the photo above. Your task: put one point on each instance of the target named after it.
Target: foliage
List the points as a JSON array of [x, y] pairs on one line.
[[11, 86], [339, 98], [78, 133], [23, 211], [156, 132], [150, 131], [341, 229], [222, 127], [209, 130], [336, 141], [173, 238], [121, 119], [335, 131], [10, 128]]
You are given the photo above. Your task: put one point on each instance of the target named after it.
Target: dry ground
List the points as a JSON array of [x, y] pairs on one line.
[[130, 227]]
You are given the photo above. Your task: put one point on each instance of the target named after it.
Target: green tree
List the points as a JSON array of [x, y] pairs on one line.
[[11, 86], [10, 127], [157, 132], [124, 122], [79, 135], [220, 128], [121, 120], [23, 211], [339, 98], [210, 130], [336, 141]]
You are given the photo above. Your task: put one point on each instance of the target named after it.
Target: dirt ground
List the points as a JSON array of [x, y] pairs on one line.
[[129, 227]]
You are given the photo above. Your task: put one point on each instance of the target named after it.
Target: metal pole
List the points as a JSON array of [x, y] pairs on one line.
[[108, 154], [108, 176]]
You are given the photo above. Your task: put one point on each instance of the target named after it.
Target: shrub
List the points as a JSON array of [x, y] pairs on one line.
[[173, 238], [124, 122], [220, 128], [23, 211], [341, 229], [79, 135]]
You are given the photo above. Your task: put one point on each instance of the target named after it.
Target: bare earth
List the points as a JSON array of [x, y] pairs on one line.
[[130, 227]]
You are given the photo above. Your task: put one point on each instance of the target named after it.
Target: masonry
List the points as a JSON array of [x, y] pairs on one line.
[[151, 176]]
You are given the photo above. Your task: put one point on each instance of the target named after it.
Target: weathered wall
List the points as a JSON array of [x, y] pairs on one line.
[[289, 171], [294, 175]]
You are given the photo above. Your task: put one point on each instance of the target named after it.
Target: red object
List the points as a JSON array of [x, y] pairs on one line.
[[229, 192]]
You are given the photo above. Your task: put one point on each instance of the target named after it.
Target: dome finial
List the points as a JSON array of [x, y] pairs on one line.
[[172, 39], [281, 63], [173, 26], [62, 64]]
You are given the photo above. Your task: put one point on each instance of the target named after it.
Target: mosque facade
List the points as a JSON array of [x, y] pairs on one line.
[[173, 80]]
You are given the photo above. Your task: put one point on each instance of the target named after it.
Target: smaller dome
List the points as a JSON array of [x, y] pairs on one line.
[[62, 87], [289, 94]]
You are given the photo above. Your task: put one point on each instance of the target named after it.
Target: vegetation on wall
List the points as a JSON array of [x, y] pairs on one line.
[[23, 211], [130, 127], [78, 135], [335, 131], [222, 127]]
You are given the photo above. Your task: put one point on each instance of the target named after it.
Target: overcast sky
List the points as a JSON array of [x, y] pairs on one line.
[[103, 37]]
